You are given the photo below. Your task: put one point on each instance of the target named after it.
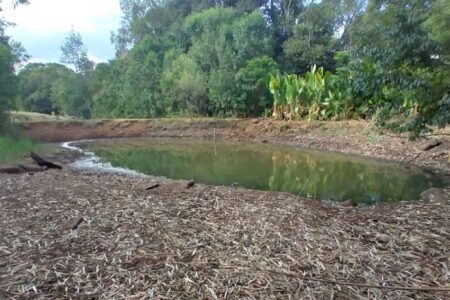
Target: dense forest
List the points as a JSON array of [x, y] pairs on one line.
[[384, 60]]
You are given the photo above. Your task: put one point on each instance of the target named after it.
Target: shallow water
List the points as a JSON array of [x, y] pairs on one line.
[[313, 174]]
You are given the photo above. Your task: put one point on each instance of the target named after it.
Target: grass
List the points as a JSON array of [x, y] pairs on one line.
[[23, 117], [14, 148]]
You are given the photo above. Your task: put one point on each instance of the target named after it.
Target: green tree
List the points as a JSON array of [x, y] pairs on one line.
[[438, 23], [130, 85], [184, 87], [253, 80], [7, 82], [50, 88], [75, 53], [312, 42], [11, 55]]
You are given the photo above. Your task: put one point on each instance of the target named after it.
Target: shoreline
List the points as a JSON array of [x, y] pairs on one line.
[[73, 233], [352, 137]]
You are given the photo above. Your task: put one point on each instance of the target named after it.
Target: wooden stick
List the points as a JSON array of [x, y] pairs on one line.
[[153, 186], [338, 282], [75, 227]]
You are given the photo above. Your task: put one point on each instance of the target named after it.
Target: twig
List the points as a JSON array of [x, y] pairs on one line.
[[414, 158], [75, 227], [153, 186], [339, 282]]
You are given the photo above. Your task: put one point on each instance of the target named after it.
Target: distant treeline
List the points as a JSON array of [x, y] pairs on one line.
[[381, 59]]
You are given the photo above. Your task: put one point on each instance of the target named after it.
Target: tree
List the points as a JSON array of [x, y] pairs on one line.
[[212, 57], [312, 42], [282, 16], [7, 82], [347, 12], [399, 65], [438, 23], [184, 87], [11, 54], [253, 86], [75, 53], [131, 84], [50, 88], [251, 38]]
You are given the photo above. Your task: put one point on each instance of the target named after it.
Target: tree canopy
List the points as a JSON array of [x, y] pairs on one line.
[[387, 60]]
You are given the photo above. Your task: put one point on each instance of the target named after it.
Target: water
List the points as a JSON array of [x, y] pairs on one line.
[[313, 174]]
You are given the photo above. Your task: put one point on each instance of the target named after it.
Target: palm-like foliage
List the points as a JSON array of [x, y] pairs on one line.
[[315, 96]]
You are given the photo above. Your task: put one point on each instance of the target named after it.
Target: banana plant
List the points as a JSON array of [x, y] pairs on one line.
[[275, 87], [314, 95], [292, 94]]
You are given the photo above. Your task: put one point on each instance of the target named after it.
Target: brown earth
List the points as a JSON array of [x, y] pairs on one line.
[[72, 234], [354, 137]]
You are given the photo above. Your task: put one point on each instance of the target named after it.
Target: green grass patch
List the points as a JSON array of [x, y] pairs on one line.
[[12, 149]]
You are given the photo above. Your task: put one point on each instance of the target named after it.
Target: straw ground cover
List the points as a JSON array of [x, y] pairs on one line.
[[68, 234]]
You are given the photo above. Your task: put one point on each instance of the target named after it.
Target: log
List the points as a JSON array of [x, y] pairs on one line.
[[431, 144], [153, 186], [32, 168], [20, 169], [43, 162], [190, 184], [13, 169]]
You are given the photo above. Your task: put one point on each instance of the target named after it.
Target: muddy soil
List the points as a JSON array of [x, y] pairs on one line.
[[354, 137]]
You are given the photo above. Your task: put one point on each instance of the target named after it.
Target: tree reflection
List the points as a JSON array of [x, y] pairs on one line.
[[319, 175]]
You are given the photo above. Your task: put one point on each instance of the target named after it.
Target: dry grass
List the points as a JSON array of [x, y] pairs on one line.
[[209, 243], [23, 117]]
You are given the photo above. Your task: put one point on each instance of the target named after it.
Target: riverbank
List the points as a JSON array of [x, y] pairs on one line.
[[72, 234], [352, 137]]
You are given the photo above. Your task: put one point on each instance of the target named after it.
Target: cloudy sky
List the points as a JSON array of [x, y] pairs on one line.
[[42, 26]]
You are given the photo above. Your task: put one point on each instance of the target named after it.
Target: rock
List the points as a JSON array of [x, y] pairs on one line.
[[435, 195], [264, 141], [431, 144]]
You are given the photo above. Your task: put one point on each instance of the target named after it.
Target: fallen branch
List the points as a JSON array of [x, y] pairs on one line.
[[44, 162], [357, 284], [153, 186]]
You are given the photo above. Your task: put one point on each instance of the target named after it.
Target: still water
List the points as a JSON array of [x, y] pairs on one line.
[[313, 174]]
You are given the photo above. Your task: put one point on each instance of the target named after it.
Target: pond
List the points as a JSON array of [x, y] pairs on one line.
[[313, 174]]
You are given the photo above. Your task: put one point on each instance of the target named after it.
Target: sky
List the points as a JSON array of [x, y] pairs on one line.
[[42, 26]]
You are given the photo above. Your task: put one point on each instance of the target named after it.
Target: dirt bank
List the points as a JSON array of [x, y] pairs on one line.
[[355, 137], [68, 234]]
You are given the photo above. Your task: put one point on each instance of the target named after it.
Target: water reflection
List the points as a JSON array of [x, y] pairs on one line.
[[319, 175]]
